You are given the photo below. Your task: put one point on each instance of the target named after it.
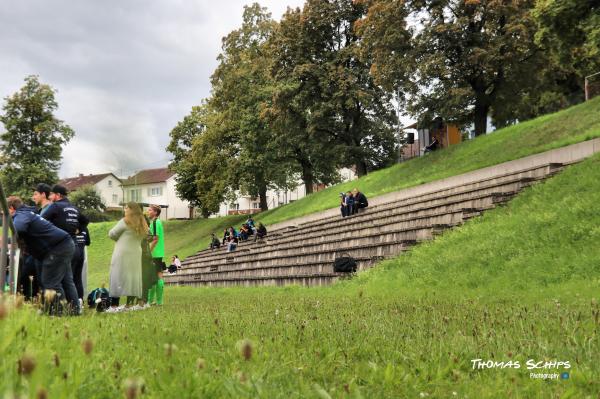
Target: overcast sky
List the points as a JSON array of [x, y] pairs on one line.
[[126, 71]]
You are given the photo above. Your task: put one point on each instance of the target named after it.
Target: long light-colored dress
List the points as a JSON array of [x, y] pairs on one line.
[[126, 263]]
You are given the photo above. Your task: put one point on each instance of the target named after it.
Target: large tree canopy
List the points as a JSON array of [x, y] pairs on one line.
[[32, 143]]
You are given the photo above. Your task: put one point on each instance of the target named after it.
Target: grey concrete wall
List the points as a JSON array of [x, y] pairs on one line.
[[569, 154]]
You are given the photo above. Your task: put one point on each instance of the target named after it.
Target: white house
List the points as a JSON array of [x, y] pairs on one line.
[[245, 204], [157, 186], [107, 185]]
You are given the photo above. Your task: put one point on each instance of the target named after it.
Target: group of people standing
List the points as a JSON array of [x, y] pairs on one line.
[[137, 267], [52, 237], [352, 202]]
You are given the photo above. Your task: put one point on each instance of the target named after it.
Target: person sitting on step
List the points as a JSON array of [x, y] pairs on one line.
[[232, 244], [360, 201], [214, 242], [261, 231]]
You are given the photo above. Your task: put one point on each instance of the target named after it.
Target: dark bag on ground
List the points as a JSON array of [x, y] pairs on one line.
[[99, 298], [344, 264]]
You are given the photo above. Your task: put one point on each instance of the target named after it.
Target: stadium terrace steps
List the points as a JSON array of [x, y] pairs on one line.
[[304, 253]]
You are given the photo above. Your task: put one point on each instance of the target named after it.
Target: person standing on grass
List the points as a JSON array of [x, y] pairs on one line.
[[41, 198], [51, 246], [126, 263], [157, 248], [67, 217]]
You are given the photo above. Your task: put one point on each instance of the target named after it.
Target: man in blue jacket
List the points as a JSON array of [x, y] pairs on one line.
[[48, 244], [67, 217]]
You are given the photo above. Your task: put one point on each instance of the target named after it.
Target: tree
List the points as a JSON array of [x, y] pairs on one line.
[[326, 91], [465, 60], [33, 139], [569, 30], [469, 52], [182, 139], [89, 201], [241, 89]]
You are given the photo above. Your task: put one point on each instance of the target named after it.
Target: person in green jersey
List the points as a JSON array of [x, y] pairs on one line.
[[157, 247]]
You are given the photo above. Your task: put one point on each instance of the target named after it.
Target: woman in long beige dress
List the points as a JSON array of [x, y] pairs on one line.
[[126, 263]]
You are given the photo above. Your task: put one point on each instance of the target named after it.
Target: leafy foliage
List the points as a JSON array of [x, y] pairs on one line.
[[89, 201], [33, 139]]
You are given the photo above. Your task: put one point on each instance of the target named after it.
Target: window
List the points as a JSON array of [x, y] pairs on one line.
[[256, 205], [115, 199], [135, 195], [154, 191], [110, 183], [235, 207]]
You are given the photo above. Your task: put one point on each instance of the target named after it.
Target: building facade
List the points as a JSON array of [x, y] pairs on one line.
[[157, 187], [246, 204], [107, 185]]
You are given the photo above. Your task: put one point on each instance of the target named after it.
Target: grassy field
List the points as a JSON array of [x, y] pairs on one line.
[[519, 284]]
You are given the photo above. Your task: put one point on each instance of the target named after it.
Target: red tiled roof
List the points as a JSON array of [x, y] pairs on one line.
[[149, 176], [73, 183]]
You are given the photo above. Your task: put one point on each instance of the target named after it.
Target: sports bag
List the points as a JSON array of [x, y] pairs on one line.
[[344, 264], [99, 298]]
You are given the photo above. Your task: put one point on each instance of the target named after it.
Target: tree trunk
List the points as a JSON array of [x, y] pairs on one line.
[[361, 168], [307, 172], [482, 108], [307, 178], [262, 195]]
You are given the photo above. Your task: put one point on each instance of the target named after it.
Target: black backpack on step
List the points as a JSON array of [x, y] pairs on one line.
[[344, 264]]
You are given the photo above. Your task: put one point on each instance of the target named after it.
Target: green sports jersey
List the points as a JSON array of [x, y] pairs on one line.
[[159, 249]]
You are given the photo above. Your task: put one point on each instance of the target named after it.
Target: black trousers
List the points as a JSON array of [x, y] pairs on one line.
[[57, 273], [77, 268]]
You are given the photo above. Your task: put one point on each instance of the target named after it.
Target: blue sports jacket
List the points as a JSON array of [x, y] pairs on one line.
[[40, 235]]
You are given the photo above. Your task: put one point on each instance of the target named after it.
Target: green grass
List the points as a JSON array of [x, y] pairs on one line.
[[516, 284], [522, 282]]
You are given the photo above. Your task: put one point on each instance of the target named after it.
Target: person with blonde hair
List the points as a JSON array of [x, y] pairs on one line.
[[126, 262]]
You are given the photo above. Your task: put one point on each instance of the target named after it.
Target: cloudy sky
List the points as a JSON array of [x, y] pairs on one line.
[[126, 71]]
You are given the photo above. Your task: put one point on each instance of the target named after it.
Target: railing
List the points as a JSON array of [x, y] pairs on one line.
[[592, 87], [7, 257]]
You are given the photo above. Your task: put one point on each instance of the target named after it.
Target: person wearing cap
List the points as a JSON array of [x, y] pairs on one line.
[[51, 246], [67, 217]]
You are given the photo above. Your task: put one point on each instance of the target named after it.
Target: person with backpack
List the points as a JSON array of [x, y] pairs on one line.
[[157, 248], [126, 261]]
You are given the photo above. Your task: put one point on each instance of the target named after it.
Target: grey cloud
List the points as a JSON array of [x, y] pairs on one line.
[[125, 71]]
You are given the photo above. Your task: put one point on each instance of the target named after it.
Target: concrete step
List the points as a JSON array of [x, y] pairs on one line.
[[535, 173], [397, 216], [305, 254], [388, 244]]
